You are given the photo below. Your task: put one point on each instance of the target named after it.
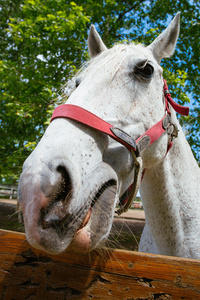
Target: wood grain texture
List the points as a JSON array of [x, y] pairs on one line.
[[26, 273]]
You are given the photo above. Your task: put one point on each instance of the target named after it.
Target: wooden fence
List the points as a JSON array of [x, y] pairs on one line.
[[8, 191], [26, 273], [8, 196]]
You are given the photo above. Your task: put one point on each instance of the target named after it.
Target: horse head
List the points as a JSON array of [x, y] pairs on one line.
[[72, 181]]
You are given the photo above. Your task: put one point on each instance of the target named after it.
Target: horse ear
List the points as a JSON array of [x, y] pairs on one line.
[[164, 44], [95, 43]]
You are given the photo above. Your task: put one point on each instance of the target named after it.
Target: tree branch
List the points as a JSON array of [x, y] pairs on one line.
[[128, 10]]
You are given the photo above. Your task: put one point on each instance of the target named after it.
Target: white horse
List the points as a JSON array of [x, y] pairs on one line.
[[73, 180]]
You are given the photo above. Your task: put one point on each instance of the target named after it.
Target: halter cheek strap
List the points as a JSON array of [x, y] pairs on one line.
[[83, 116]]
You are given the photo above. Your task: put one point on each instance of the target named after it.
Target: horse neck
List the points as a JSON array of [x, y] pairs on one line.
[[176, 177], [170, 195]]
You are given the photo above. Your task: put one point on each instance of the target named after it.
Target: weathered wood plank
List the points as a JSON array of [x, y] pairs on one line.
[[26, 273], [9, 202]]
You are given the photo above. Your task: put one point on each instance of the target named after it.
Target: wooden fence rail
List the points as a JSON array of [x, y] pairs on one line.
[[26, 273], [8, 191]]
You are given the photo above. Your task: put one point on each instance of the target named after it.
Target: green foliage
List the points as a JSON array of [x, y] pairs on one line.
[[43, 43]]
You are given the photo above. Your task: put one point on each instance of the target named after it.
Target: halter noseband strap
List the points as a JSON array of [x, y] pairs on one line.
[[83, 116]]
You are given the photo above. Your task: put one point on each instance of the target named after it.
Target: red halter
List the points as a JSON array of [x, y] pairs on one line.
[[83, 116]]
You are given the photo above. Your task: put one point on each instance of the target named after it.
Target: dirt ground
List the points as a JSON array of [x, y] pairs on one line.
[[125, 234], [127, 229]]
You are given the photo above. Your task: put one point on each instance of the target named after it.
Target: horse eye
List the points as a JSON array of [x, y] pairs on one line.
[[146, 71], [77, 82]]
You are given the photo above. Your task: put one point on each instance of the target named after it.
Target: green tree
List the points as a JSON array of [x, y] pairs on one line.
[[43, 43], [40, 48]]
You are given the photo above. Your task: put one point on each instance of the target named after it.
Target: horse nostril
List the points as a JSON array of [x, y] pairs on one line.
[[57, 210], [65, 189]]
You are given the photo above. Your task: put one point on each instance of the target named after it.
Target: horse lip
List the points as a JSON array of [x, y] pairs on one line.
[[86, 219], [95, 226], [95, 199]]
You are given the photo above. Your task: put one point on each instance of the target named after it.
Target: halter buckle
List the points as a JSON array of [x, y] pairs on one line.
[[125, 137]]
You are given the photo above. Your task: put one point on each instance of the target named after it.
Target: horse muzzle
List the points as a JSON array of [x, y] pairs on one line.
[[60, 213]]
